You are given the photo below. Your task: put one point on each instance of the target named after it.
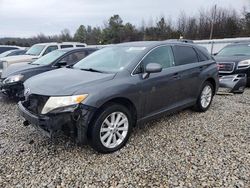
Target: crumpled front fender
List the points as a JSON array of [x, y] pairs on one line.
[[235, 83]]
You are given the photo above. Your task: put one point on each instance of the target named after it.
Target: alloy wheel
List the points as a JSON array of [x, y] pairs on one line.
[[206, 96], [114, 129]]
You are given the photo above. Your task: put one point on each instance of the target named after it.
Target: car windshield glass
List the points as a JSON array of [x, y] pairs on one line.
[[5, 54], [35, 50], [49, 58], [110, 59], [235, 50]]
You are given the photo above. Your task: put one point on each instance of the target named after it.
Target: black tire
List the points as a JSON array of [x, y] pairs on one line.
[[95, 140], [198, 106], [248, 82]]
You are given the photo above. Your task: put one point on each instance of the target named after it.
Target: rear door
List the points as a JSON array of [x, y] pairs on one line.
[[189, 69]]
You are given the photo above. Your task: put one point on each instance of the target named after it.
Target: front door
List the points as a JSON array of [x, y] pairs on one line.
[[160, 89]]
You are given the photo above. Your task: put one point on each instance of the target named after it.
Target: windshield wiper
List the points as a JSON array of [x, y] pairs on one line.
[[92, 70]]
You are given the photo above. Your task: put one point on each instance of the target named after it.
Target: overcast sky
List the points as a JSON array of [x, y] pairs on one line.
[[24, 18]]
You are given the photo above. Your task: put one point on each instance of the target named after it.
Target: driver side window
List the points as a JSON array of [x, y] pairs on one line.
[[162, 55]]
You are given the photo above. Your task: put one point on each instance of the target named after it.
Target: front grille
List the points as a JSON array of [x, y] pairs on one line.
[[1, 65], [226, 67], [35, 103]]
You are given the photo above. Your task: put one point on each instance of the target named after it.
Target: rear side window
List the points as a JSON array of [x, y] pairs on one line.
[[202, 56], [161, 55], [66, 46], [184, 55], [80, 45], [50, 49]]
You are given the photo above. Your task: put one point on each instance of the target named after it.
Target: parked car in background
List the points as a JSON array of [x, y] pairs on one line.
[[4, 48], [234, 59], [11, 83], [37, 51], [103, 96], [12, 53]]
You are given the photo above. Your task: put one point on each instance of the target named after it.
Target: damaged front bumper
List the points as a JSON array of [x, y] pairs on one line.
[[12, 89], [234, 83], [73, 123]]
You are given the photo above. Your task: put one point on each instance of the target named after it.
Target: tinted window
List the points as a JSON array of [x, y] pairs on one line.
[[74, 57], [50, 49], [66, 46], [184, 55], [162, 55], [80, 45], [202, 56]]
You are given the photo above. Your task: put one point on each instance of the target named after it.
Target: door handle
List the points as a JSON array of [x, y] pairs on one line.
[[203, 67], [176, 76]]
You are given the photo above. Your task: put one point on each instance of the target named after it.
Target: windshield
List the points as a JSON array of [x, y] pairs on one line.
[[49, 58], [110, 59], [35, 50], [235, 50], [5, 54]]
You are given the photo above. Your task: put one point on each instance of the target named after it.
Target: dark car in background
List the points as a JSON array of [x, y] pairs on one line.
[[234, 59], [4, 48], [12, 53], [103, 96], [11, 83]]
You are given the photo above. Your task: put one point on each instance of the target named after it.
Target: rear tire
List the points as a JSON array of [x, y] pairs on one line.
[[111, 129], [205, 98]]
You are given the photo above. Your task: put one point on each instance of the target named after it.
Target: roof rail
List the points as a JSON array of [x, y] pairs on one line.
[[180, 40]]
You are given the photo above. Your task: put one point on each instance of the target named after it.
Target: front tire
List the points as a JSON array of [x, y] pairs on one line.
[[111, 129], [205, 98]]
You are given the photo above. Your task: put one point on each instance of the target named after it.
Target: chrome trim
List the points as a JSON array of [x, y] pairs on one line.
[[242, 68]]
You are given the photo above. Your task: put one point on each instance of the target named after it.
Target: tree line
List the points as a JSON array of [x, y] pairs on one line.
[[226, 23]]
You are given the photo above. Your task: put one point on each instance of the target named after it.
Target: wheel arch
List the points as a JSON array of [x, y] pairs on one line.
[[117, 100], [213, 82]]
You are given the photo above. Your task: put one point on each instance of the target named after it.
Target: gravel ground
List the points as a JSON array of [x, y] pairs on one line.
[[186, 149]]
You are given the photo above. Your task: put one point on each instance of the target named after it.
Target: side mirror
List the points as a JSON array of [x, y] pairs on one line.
[[214, 54], [62, 64], [152, 68]]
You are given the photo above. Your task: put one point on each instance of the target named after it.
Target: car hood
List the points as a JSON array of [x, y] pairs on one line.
[[19, 58], [64, 81], [17, 69], [231, 58]]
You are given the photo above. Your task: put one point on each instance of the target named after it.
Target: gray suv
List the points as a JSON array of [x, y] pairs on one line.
[[101, 98]]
